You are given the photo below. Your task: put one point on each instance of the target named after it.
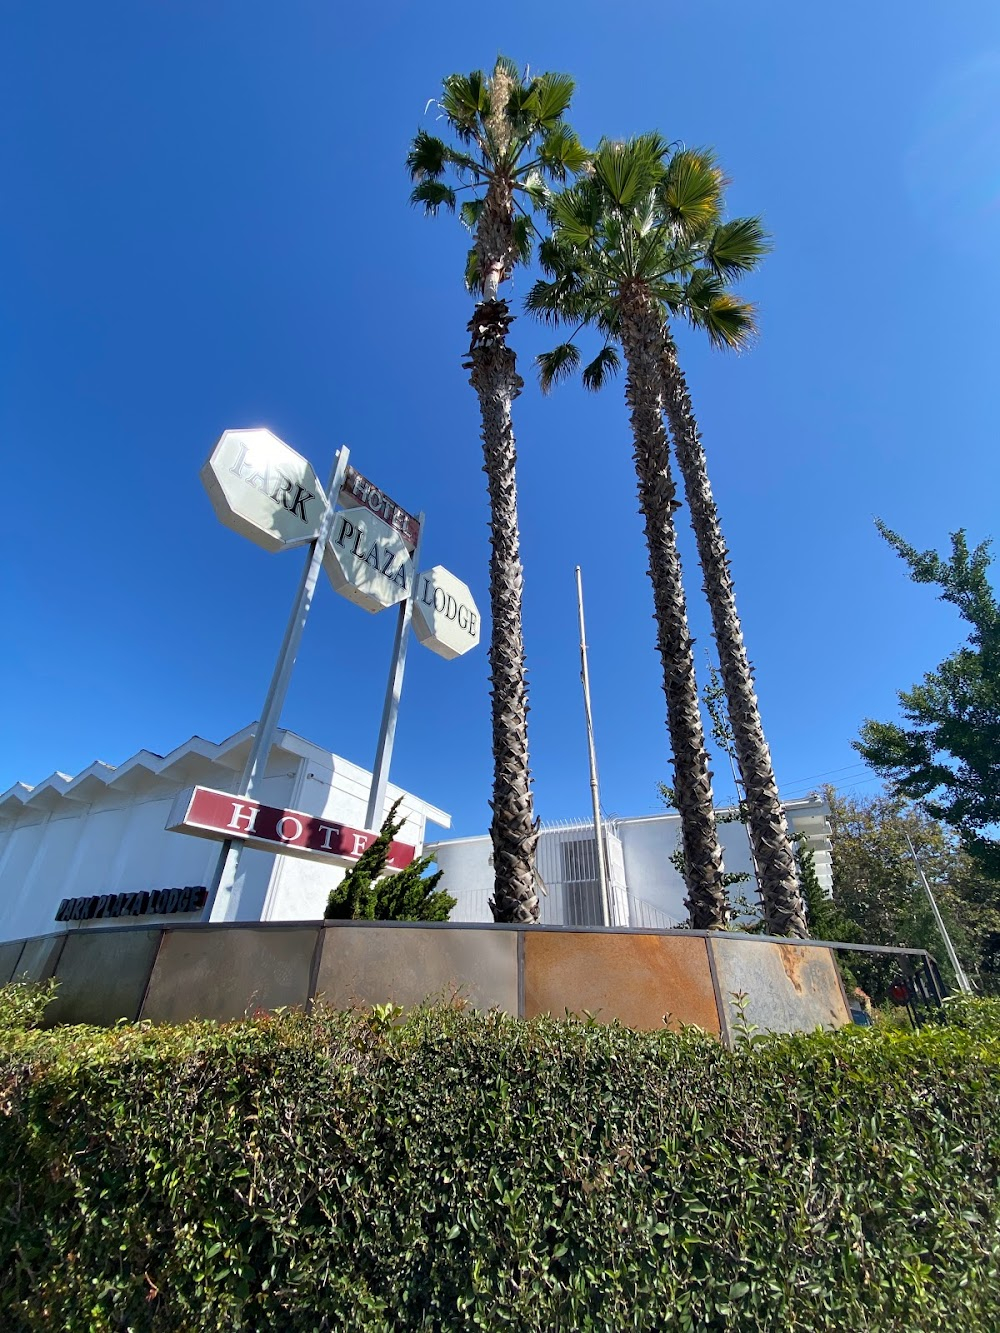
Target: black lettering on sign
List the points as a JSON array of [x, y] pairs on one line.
[[298, 505], [146, 902]]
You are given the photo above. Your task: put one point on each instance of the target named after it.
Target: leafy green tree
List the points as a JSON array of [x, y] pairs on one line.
[[878, 897], [638, 242], [947, 755], [509, 137], [367, 893]]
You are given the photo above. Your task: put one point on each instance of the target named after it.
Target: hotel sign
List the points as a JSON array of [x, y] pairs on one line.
[[208, 813], [358, 490]]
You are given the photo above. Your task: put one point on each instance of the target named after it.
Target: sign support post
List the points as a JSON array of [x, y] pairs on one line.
[[253, 771], [394, 688]]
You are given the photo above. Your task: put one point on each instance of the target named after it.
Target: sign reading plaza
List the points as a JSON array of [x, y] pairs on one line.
[[367, 560], [208, 813]]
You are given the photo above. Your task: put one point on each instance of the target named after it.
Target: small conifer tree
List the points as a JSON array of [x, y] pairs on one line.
[[367, 893]]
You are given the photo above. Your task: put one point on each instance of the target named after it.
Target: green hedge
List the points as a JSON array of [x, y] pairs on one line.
[[456, 1170]]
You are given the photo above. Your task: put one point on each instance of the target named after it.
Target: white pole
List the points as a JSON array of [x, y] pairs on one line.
[[960, 977], [595, 794], [253, 770], [394, 688]]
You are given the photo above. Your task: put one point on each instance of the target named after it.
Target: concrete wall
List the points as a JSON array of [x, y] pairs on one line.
[[644, 979]]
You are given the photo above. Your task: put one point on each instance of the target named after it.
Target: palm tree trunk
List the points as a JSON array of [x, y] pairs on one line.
[[642, 344], [514, 829], [784, 912]]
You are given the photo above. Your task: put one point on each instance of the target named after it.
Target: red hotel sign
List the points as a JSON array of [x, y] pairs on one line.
[[219, 814]]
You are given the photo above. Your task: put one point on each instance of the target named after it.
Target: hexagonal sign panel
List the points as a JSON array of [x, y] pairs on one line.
[[261, 488], [445, 617], [367, 560]]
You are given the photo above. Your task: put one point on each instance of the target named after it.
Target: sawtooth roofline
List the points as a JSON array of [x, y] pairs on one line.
[[229, 753]]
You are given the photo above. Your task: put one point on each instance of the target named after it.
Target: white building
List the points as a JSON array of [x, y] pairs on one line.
[[104, 832], [645, 888]]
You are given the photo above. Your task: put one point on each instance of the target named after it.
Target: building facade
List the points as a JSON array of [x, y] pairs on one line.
[[103, 832], [644, 886]]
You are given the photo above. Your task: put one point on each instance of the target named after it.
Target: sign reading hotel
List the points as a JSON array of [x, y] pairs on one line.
[[208, 813]]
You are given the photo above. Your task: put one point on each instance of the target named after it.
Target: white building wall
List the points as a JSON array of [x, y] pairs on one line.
[[105, 832], [655, 889]]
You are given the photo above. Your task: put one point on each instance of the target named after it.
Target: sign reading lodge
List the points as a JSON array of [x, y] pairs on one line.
[[445, 618], [208, 813]]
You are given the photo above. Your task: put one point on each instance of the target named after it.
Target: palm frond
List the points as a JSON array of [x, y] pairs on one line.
[[728, 320], [470, 211], [561, 153], [628, 169], [577, 213], [692, 190], [535, 188], [464, 99], [433, 195], [545, 301], [473, 282], [549, 97], [604, 366], [737, 247], [427, 157], [557, 365], [524, 238]]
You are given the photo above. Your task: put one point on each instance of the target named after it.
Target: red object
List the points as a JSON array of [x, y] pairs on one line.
[[899, 992], [359, 490], [219, 814]]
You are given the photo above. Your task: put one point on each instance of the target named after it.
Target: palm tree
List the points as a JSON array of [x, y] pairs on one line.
[[687, 255], [511, 138], [604, 258]]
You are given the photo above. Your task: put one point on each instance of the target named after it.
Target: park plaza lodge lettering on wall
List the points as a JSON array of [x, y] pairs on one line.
[[273, 483], [208, 813], [152, 902]]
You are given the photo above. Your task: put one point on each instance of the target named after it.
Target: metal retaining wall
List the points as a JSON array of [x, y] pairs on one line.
[[643, 978]]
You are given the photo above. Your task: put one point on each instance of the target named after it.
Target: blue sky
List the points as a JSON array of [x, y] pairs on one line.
[[205, 224]]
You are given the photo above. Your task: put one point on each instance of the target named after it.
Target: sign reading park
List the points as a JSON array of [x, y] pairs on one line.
[[261, 488], [208, 813]]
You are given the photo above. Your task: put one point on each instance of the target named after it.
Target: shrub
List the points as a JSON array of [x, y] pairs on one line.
[[367, 893], [23, 1003], [328, 1171]]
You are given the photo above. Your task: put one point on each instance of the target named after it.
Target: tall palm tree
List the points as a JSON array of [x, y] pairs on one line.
[[605, 258], [511, 139], [688, 255]]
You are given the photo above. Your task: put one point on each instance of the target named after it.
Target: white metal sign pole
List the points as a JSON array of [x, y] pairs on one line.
[[253, 771], [390, 710]]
